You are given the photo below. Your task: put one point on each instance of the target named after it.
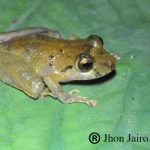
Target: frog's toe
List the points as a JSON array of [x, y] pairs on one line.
[[91, 102], [74, 91], [86, 101]]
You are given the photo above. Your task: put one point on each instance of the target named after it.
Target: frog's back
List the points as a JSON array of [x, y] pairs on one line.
[[34, 41]]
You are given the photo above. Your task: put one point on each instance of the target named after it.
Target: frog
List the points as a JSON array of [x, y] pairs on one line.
[[37, 60]]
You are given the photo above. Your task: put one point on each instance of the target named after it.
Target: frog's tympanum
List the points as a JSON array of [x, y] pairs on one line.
[[37, 60]]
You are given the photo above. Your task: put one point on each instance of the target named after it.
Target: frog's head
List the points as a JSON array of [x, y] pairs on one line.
[[94, 61]]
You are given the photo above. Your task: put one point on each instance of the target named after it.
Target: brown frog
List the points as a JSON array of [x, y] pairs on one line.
[[36, 60]]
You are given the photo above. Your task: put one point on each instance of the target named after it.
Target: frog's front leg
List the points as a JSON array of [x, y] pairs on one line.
[[52, 81]]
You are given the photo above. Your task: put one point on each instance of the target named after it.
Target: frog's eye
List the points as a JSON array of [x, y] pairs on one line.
[[95, 40], [85, 63]]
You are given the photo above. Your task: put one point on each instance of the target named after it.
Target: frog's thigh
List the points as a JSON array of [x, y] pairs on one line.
[[4, 36], [19, 74]]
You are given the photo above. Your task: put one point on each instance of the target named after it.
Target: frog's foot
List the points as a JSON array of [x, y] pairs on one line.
[[74, 91], [86, 101], [69, 98]]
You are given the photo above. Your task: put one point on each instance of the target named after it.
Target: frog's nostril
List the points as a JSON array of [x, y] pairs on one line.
[[109, 64]]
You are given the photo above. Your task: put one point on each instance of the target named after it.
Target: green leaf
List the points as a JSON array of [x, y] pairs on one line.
[[123, 101]]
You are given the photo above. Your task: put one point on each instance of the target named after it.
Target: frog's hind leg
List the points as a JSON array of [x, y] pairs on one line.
[[51, 33], [19, 74], [4, 36]]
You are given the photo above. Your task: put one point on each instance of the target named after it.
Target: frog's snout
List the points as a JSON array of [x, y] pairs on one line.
[[109, 64]]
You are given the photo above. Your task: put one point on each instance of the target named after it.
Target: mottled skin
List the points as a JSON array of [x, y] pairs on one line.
[[37, 60]]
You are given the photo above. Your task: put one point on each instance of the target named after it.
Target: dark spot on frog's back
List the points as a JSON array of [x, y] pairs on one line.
[[50, 65], [51, 56], [61, 51]]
